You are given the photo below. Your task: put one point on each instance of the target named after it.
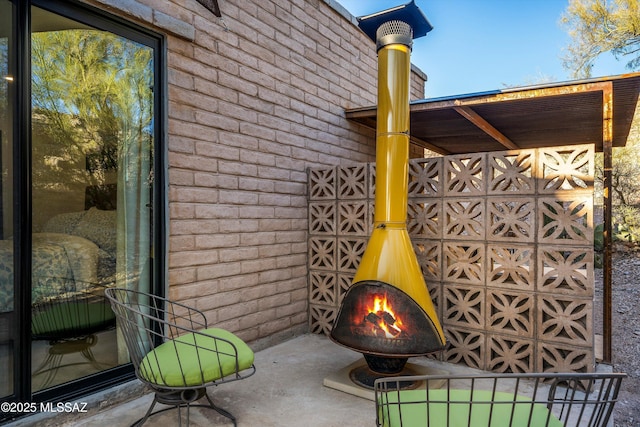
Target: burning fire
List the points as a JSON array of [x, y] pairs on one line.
[[381, 320]]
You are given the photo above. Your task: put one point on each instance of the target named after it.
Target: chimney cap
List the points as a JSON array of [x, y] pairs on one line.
[[409, 13]]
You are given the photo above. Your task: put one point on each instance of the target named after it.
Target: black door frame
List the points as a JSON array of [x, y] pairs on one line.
[[22, 191]]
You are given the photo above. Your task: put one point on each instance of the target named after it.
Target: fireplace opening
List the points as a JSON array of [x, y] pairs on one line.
[[379, 319], [386, 325]]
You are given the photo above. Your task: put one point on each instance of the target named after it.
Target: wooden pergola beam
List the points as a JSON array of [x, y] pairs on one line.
[[475, 118], [371, 124], [424, 144], [507, 95]]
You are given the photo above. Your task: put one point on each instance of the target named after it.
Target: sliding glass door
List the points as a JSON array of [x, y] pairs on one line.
[[86, 167]]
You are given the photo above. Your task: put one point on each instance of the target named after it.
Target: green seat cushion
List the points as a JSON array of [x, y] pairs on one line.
[[194, 359], [413, 410], [69, 319]]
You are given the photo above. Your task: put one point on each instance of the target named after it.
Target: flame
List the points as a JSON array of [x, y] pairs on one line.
[[382, 304]]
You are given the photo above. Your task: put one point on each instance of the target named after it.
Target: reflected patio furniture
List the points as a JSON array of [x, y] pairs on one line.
[[70, 322], [175, 352], [498, 400]]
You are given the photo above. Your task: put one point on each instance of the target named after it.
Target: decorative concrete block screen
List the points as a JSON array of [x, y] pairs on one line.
[[505, 241]]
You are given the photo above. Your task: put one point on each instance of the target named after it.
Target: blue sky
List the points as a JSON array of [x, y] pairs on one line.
[[483, 45]]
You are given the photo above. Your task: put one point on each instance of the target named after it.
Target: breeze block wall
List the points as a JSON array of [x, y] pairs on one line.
[[504, 239]]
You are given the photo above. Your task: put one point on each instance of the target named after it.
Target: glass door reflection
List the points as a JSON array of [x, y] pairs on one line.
[[91, 152]]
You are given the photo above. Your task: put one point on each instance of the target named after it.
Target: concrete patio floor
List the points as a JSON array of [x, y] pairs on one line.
[[286, 390]]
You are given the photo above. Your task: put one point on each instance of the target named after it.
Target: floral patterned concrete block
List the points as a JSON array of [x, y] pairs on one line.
[[565, 168], [465, 175], [464, 219], [510, 312], [511, 266], [425, 177], [511, 172], [510, 354], [322, 184], [511, 219], [425, 218], [352, 182]]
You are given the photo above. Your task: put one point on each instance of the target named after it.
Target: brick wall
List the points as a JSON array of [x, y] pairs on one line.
[[255, 99]]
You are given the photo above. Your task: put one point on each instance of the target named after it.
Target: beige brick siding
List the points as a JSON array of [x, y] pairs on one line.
[[254, 100]]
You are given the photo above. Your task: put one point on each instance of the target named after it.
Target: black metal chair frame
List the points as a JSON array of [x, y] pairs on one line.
[[574, 399], [147, 321]]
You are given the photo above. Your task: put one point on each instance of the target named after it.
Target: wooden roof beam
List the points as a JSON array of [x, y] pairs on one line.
[[475, 118], [424, 144], [367, 119]]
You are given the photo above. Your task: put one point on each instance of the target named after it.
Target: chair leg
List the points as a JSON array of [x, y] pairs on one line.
[[147, 414], [221, 411], [170, 400]]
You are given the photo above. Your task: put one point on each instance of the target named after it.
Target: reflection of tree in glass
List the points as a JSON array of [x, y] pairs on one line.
[[4, 84], [4, 71], [91, 100]]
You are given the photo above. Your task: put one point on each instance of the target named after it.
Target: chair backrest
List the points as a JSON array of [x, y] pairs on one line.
[[148, 320], [509, 400], [133, 316]]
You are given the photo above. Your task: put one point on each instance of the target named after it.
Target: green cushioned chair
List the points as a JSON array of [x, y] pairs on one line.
[[177, 363], [497, 400], [175, 353]]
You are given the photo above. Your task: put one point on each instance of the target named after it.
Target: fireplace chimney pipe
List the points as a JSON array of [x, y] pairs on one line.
[[389, 256]]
